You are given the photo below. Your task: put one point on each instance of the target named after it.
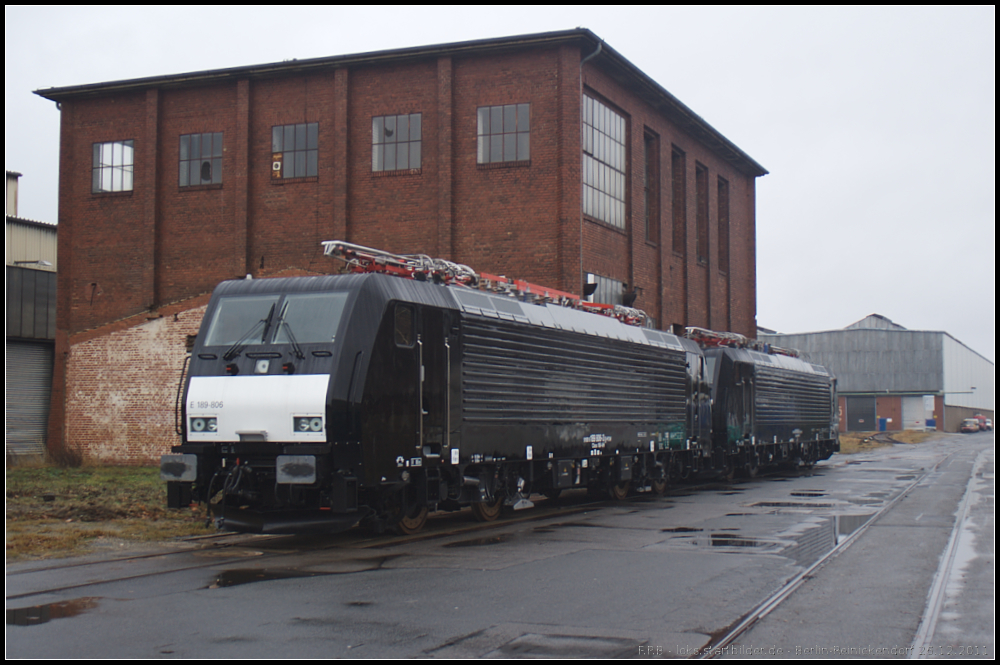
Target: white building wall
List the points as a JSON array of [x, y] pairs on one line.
[[968, 377]]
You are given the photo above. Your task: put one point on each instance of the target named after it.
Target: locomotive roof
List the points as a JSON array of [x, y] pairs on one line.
[[769, 360], [382, 289]]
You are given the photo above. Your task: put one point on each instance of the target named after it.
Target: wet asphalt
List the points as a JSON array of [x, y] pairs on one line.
[[644, 578]]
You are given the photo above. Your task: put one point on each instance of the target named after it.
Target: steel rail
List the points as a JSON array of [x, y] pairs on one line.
[[716, 647]]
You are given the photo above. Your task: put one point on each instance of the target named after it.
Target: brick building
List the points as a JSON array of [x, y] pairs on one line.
[[549, 157]]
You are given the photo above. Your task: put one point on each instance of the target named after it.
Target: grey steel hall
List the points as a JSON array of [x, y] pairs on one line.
[[891, 378]]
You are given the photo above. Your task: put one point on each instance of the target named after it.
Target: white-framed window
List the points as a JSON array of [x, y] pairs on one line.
[[200, 159], [503, 133], [608, 291], [396, 142], [295, 150], [113, 166], [604, 163]]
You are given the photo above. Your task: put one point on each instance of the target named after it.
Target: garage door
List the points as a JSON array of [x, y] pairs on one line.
[[29, 386], [861, 414]]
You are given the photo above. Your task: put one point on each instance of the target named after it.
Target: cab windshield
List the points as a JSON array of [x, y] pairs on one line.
[[276, 319]]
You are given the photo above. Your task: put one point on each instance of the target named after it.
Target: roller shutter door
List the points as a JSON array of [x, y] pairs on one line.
[[914, 414], [861, 414], [29, 387]]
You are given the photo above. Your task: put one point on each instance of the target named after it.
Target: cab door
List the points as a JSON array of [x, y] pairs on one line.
[[435, 348]]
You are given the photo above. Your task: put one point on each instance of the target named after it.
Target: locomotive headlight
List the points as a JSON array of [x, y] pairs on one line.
[[200, 424], [303, 424]]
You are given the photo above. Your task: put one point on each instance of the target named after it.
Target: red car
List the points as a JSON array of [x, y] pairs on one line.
[[969, 425]]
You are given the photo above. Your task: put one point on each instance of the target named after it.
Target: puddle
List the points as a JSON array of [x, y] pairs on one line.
[[32, 616], [737, 541], [359, 603], [728, 540], [848, 524], [228, 578], [812, 540], [681, 529], [227, 552], [906, 477], [565, 646], [791, 504], [585, 524], [809, 493], [476, 542]]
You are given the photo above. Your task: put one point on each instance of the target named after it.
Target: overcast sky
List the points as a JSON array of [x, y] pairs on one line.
[[877, 124]]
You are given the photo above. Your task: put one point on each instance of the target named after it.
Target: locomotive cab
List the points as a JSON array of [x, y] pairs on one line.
[[265, 403]]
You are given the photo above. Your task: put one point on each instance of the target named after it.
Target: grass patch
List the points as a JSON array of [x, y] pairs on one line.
[[857, 442], [57, 512]]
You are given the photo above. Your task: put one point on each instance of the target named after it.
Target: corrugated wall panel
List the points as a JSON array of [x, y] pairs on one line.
[[27, 242], [31, 303]]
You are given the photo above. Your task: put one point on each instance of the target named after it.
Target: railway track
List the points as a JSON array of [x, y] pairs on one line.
[[722, 644], [215, 550]]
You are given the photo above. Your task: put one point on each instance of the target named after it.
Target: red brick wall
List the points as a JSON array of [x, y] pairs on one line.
[[288, 218], [394, 210], [197, 241], [121, 390], [693, 293], [107, 238], [891, 407], [507, 216]]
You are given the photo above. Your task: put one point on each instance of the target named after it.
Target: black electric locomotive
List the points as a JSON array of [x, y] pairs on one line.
[[319, 402], [769, 408]]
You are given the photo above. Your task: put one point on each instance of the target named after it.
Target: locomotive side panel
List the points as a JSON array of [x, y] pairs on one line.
[[567, 393], [792, 405]]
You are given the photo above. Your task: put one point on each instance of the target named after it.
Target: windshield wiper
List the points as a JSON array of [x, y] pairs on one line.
[[237, 348], [296, 349]]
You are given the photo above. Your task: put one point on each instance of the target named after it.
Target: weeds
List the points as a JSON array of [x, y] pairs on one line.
[[55, 511], [856, 442]]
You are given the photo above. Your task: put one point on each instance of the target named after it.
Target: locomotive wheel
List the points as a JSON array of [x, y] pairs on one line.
[[553, 493], [619, 491], [411, 517], [487, 512], [659, 486], [414, 522]]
